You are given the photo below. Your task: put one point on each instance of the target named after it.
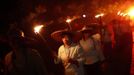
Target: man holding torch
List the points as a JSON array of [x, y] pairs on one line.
[[70, 53], [22, 60]]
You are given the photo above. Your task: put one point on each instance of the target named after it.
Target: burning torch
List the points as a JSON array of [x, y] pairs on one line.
[[69, 21], [100, 18], [37, 30]]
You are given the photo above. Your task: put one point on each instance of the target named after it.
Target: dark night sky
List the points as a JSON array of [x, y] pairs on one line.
[[16, 10], [6, 9], [12, 10]]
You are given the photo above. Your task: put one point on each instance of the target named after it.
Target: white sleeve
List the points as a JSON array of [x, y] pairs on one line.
[[80, 53], [99, 50]]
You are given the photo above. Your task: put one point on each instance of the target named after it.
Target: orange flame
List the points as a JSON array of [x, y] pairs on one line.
[[99, 15], [38, 28], [131, 12], [68, 20]]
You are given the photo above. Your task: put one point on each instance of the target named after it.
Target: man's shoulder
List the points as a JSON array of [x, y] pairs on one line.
[[9, 55], [8, 58], [61, 47], [76, 46]]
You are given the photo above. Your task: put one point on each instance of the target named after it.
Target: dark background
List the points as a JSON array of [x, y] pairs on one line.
[[52, 13]]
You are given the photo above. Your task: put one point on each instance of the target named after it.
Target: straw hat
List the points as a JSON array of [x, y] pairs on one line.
[[91, 28], [57, 35], [86, 29]]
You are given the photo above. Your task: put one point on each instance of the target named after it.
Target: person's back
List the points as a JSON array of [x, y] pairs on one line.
[[22, 60], [30, 63]]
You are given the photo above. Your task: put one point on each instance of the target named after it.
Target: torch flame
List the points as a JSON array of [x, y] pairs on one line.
[[22, 34], [38, 28], [99, 15], [84, 16], [119, 12], [131, 12], [68, 20]]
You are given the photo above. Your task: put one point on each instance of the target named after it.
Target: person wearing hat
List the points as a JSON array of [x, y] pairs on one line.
[[92, 51], [22, 60], [70, 53]]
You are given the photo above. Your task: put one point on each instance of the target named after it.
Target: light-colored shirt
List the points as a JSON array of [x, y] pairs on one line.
[[97, 37], [74, 52], [92, 51]]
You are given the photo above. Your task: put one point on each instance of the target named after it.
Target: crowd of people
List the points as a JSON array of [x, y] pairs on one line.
[[93, 50]]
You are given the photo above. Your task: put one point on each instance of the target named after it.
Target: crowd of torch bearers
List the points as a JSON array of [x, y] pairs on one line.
[[99, 17]]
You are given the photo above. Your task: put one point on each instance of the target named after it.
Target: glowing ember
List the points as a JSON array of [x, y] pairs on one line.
[[37, 28]]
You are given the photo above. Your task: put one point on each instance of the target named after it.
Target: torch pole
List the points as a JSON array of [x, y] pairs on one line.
[[70, 28], [44, 41], [68, 21], [37, 30]]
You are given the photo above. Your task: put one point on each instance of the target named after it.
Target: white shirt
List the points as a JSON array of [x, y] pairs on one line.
[[92, 51], [74, 52]]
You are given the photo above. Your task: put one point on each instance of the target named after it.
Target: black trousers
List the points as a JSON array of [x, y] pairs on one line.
[[92, 69]]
